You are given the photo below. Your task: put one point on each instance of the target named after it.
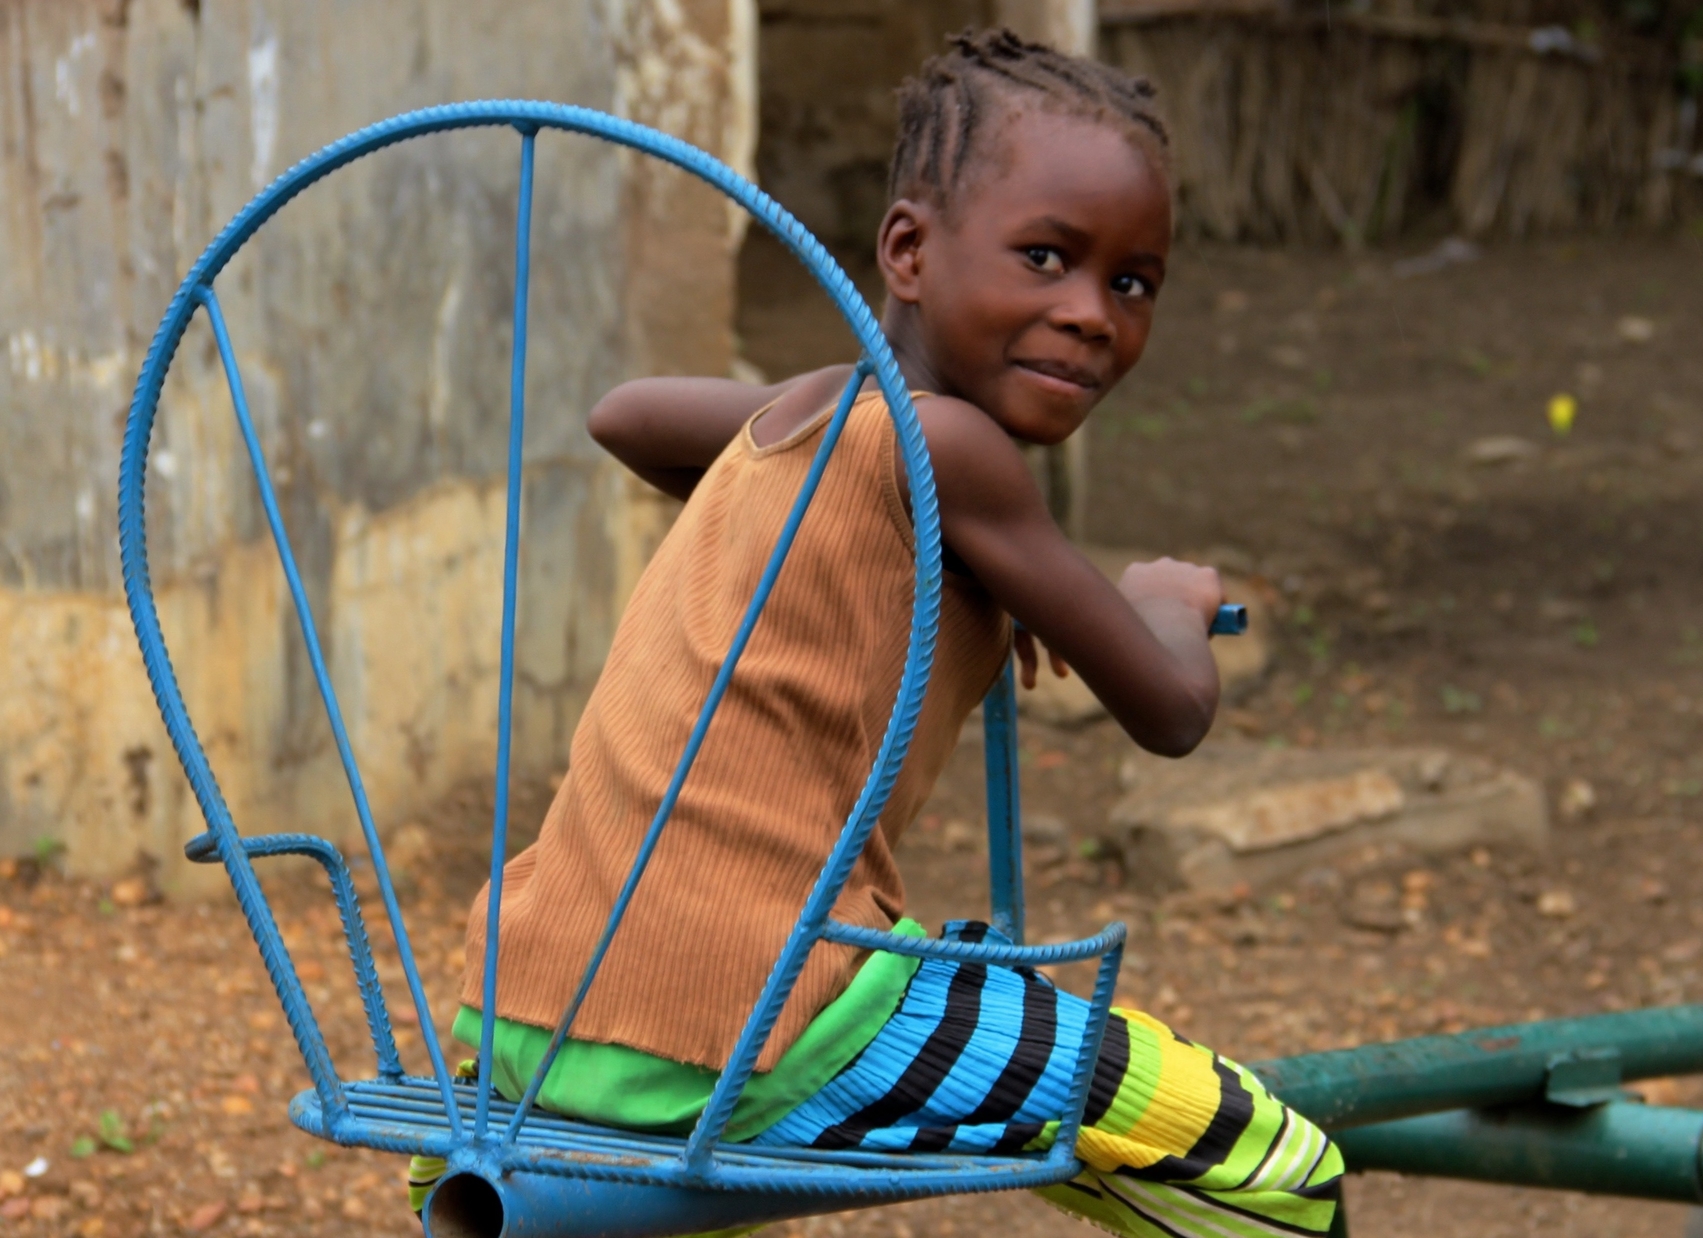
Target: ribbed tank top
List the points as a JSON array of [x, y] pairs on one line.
[[779, 771]]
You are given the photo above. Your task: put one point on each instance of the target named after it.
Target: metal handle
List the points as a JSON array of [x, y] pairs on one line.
[[1231, 620]]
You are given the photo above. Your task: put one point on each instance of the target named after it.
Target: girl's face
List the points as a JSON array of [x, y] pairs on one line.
[[1033, 294]]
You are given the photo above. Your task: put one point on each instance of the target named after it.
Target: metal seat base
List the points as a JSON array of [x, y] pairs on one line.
[[571, 1178]]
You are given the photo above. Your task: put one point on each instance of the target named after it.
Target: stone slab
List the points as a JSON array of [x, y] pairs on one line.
[[1238, 812]]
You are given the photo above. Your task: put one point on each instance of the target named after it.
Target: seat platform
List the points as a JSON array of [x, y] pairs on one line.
[[407, 1116]]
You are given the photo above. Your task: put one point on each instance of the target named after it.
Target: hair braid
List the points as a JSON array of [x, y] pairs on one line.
[[946, 104]]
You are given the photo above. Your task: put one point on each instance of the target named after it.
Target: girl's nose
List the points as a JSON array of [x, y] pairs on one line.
[[1083, 309]]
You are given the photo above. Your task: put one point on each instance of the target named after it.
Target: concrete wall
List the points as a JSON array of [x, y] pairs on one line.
[[372, 323]]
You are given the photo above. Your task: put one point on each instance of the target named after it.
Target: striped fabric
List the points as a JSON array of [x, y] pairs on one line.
[[1178, 1141]]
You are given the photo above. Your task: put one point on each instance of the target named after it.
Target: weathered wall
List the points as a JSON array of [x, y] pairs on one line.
[[371, 319]]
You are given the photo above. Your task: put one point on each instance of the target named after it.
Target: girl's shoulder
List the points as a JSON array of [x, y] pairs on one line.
[[801, 398]]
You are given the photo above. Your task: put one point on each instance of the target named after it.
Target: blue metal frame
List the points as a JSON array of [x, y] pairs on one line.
[[640, 1182]]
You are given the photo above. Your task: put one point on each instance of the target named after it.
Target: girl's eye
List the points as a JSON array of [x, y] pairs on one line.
[[1128, 286], [1045, 258]]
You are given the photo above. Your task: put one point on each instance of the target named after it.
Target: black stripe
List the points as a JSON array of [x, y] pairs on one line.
[[1028, 1061], [1017, 1136], [933, 1138], [1080, 1183], [939, 1053], [1221, 1201], [1109, 1070], [1235, 1112], [1141, 1212], [1330, 1188], [1271, 1150]]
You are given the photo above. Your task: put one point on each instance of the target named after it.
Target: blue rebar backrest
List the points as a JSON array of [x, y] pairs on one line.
[[391, 1112]]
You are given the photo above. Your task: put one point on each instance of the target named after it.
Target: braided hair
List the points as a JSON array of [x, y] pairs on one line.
[[950, 100]]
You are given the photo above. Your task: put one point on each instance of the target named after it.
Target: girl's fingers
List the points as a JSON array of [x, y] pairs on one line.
[[1025, 646], [1058, 664]]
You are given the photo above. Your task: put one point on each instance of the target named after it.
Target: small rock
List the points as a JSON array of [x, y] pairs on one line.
[[1373, 906], [15, 1209], [1576, 801], [1560, 610], [11, 1183], [235, 1106], [1232, 301], [1557, 904], [37, 1167], [1683, 951], [1043, 829], [1433, 770], [130, 892], [1635, 329], [1677, 442], [959, 835], [1501, 449], [1243, 721], [408, 846], [205, 1217], [1451, 251], [48, 1207]]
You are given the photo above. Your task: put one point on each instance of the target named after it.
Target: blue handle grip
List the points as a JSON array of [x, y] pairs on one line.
[[1231, 620]]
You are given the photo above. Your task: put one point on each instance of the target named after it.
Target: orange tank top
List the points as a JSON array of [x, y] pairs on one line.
[[779, 771]]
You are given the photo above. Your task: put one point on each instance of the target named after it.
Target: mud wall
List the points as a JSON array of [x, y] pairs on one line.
[[371, 319]]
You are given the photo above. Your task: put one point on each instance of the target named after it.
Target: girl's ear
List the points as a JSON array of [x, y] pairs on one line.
[[899, 245]]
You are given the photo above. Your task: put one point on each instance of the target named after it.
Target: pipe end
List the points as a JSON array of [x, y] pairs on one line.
[[465, 1205]]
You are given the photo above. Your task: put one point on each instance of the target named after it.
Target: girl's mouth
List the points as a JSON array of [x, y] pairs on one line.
[[1062, 377]]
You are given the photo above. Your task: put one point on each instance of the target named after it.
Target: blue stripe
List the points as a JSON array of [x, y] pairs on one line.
[[873, 1072], [984, 1049]]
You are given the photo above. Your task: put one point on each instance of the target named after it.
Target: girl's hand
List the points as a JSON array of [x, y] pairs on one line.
[[1197, 588], [1024, 641]]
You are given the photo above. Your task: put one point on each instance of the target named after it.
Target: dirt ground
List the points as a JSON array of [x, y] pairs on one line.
[[1309, 419]]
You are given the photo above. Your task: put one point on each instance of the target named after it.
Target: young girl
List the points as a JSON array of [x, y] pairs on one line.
[[1023, 252]]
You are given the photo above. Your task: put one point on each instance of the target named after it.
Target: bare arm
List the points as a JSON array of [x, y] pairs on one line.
[[1140, 646], [669, 430]]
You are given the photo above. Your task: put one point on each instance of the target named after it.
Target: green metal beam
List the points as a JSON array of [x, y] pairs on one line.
[[1613, 1149], [1472, 1070]]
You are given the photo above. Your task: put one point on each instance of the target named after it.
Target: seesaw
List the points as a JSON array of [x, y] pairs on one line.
[[1537, 1103]]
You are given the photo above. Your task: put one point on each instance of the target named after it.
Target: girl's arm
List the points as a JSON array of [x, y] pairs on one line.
[[669, 430], [1141, 645]]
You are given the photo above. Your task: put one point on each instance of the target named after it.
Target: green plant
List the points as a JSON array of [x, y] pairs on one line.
[[1460, 701], [1294, 411], [113, 1133]]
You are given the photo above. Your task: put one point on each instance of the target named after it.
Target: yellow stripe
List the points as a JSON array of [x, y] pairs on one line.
[[1185, 1096]]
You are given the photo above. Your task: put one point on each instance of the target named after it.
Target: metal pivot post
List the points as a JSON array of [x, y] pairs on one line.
[[1005, 825]]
